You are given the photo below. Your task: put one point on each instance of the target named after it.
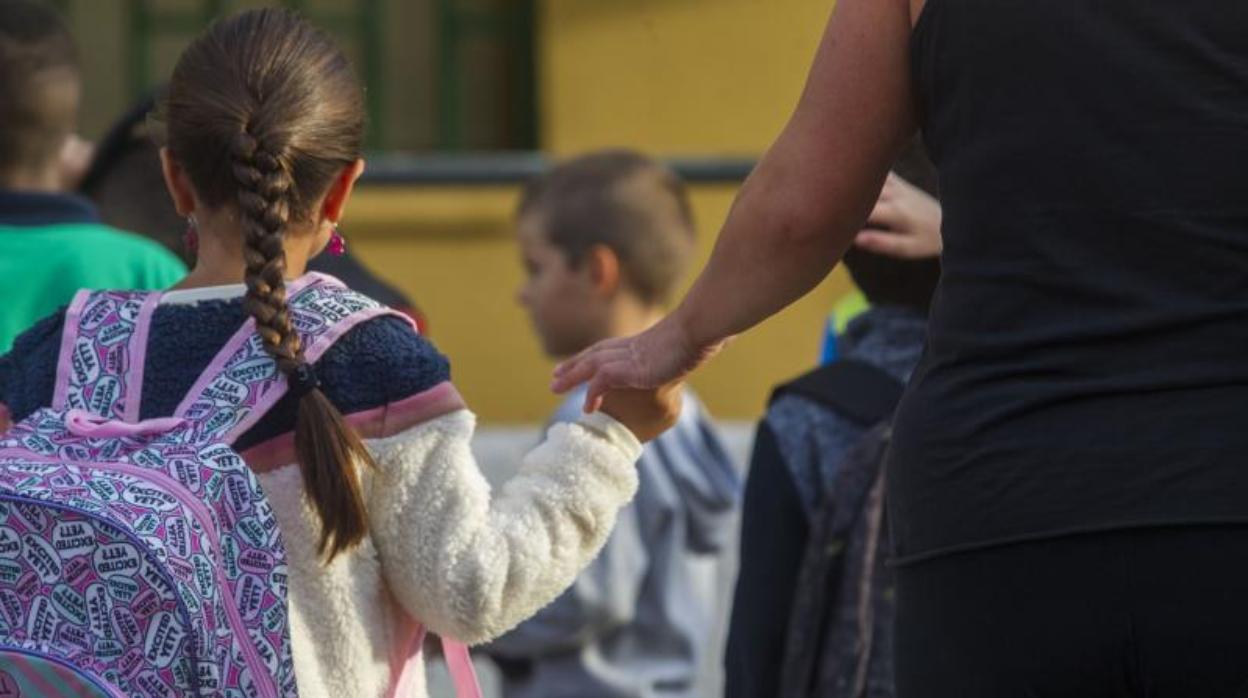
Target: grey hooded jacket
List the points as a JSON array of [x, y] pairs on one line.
[[639, 619]]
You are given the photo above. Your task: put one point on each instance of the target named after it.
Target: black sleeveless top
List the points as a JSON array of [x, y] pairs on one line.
[[1087, 364]]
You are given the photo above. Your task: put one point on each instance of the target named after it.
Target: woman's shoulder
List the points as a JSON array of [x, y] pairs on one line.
[[380, 361]]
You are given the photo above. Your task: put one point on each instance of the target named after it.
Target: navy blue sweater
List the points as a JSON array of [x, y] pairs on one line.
[[378, 362]]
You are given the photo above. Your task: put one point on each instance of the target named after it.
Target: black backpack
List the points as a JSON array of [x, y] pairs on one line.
[[839, 637]]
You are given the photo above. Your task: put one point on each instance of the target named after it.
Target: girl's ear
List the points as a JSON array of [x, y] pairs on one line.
[[178, 184], [340, 191]]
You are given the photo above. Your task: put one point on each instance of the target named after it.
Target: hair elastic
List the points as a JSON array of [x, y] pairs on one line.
[[302, 380]]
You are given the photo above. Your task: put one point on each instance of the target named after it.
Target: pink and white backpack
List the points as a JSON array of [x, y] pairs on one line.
[[141, 558]]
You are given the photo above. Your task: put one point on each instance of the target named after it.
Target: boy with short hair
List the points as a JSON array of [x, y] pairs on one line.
[[605, 240], [51, 242]]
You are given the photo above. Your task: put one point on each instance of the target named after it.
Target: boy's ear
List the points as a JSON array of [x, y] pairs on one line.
[[604, 269]]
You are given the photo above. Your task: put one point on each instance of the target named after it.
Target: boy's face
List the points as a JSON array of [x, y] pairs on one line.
[[564, 305]]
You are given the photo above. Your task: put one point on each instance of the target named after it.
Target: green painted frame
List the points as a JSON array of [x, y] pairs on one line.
[[365, 22], [515, 25]]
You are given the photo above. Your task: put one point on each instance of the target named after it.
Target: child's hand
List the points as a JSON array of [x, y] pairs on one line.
[[905, 223], [646, 413]]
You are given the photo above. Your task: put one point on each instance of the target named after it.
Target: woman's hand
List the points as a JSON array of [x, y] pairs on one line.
[[658, 357], [905, 223], [646, 413]]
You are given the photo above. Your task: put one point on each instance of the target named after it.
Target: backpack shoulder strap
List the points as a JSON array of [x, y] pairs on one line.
[[102, 353], [855, 389], [405, 675], [242, 383]]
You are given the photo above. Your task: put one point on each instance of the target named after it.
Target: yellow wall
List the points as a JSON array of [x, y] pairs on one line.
[[672, 77]]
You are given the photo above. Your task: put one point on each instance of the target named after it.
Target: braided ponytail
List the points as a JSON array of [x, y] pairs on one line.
[[263, 112], [327, 448]]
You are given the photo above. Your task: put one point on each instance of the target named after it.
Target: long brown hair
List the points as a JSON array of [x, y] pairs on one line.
[[263, 112]]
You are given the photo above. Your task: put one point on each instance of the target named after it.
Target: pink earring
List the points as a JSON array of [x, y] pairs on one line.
[[190, 239], [337, 244]]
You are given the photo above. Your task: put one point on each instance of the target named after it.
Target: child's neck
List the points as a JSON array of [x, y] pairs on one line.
[[44, 181], [632, 317], [220, 261]]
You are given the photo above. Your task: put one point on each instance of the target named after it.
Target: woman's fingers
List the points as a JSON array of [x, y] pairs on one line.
[[655, 357], [574, 371], [567, 365], [578, 369], [584, 366]]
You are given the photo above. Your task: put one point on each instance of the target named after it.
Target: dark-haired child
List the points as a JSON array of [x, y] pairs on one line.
[[52, 243]]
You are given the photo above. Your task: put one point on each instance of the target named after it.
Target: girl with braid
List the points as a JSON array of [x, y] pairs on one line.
[[384, 513]]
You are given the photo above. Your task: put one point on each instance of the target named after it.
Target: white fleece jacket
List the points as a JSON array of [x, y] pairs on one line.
[[441, 548]]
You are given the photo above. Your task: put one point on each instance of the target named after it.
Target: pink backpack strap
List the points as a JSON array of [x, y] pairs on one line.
[[242, 383], [103, 347], [463, 675], [403, 665]]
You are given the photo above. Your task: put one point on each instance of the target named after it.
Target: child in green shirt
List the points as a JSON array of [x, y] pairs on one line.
[[52, 243]]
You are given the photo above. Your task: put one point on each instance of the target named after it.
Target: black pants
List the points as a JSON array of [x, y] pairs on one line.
[[1148, 613]]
